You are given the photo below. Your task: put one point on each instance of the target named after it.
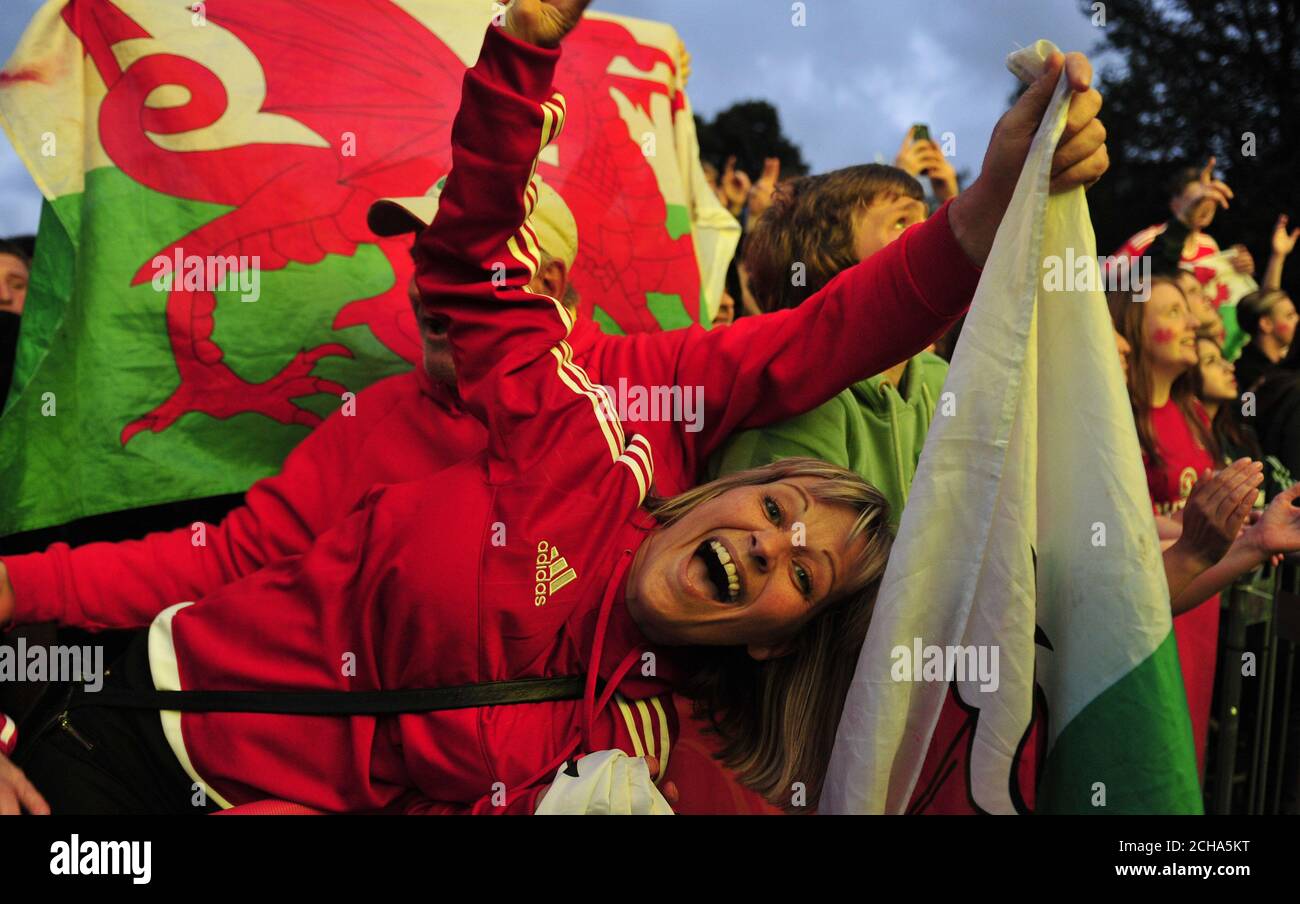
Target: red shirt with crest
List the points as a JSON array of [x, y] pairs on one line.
[[1183, 460]]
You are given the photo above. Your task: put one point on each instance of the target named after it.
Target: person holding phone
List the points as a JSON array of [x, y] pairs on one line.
[[920, 155]]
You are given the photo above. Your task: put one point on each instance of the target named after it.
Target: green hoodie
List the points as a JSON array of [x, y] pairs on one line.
[[869, 428]]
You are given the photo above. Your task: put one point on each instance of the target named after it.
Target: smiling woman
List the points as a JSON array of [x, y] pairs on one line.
[[770, 574]]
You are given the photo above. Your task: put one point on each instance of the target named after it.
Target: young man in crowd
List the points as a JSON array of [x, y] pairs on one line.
[[1269, 318], [876, 427]]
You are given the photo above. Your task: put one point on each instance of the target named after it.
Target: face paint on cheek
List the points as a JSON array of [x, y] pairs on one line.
[[1162, 336]]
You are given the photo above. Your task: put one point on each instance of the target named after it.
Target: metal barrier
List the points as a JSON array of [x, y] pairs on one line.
[[1250, 774]]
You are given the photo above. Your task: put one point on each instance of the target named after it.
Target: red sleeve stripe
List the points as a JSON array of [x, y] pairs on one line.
[[560, 105], [523, 244], [522, 254], [651, 737], [552, 123], [640, 447], [638, 460], [665, 737], [1140, 242], [561, 352], [607, 408]]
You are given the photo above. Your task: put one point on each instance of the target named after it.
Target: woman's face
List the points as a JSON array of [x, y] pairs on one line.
[[1218, 382], [749, 567], [1168, 331]]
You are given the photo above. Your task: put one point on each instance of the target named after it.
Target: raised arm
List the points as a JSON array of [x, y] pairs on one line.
[[1282, 245], [124, 585], [474, 262]]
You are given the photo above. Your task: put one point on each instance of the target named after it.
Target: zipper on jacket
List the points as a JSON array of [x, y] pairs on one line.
[[48, 723], [70, 729]]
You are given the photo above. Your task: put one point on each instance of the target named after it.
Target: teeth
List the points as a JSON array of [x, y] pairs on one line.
[[733, 575]]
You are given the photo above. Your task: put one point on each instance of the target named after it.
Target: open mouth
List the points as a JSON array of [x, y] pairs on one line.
[[723, 576]]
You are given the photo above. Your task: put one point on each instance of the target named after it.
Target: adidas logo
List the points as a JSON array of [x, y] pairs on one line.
[[553, 572]]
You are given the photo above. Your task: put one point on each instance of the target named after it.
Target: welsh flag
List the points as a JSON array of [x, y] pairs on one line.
[[205, 288], [1026, 565]]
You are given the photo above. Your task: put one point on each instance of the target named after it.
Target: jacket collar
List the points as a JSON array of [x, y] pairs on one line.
[[873, 393]]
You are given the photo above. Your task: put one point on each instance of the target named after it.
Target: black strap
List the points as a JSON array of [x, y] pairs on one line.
[[342, 703]]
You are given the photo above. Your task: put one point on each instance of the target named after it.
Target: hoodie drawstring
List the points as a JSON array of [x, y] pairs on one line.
[[589, 704]]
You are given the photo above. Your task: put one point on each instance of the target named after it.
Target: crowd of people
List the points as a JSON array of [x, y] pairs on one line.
[[484, 521]]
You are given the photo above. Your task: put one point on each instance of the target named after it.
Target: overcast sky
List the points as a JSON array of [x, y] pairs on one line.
[[847, 84]]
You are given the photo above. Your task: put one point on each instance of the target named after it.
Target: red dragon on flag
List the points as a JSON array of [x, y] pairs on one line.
[[287, 130]]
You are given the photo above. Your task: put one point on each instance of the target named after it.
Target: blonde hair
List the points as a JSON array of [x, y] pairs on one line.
[[777, 718]]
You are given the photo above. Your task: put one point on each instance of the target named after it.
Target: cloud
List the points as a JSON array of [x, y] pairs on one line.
[[849, 83]]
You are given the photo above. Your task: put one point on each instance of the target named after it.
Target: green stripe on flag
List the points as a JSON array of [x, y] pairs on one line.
[[668, 310], [1135, 739], [95, 354], [606, 323]]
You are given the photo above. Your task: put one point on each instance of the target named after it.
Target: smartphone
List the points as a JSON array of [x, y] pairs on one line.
[[920, 132]]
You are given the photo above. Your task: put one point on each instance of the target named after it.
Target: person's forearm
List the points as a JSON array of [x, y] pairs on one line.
[[975, 215], [1204, 583], [1182, 567], [1273, 272], [1167, 528]]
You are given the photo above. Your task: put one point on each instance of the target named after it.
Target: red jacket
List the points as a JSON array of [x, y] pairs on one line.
[[540, 482]]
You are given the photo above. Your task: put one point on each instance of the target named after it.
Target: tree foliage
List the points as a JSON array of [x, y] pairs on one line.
[[751, 130], [1191, 79]]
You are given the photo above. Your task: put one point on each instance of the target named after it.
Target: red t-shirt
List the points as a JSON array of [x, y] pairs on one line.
[[1197, 631]]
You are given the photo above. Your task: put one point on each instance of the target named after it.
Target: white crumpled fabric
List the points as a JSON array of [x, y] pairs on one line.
[[609, 783]]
